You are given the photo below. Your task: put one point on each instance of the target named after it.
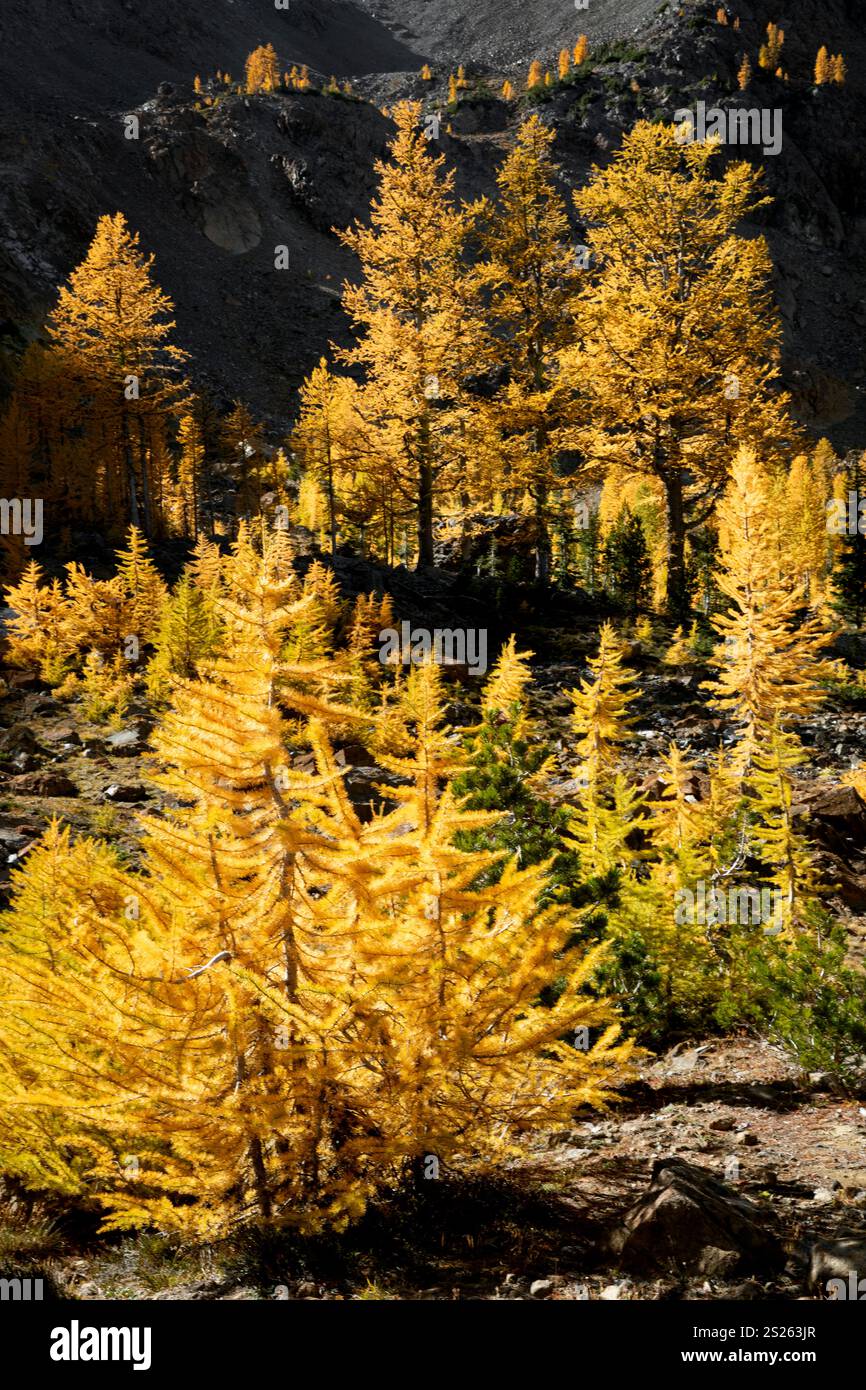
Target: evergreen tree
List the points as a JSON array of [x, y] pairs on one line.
[[626, 562], [187, 635], [505, 770]]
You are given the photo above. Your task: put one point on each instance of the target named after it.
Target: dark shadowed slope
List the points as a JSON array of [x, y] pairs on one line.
[[114, 52]]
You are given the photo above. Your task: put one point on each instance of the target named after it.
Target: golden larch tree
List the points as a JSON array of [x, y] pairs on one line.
[[677, 356], [769, 658], [531, 274], [111, 330], [285, 1007], [413, 312]]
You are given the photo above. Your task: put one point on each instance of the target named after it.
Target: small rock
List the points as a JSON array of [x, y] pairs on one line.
[[837, 1259], [19, 738], [128, 792], [820, 1080], [749, 1140], [124, 741], [823, 1195], [64, 734], [40, 703], [540, 1288], [724, 1123], [688, 1219], [45, 784]]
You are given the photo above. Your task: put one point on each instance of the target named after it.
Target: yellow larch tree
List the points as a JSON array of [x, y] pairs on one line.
[[775, 839], [413, 312], [190, 475], [324, 436], [531, 275], [262, 69], [677, 356], [35, 632], [111, 331], [838, 69], [600, 706], [144, 590], [823, 69], [285, 1007], [606, 808], [769, 658]]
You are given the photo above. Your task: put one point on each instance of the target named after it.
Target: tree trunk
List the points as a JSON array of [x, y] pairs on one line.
[[677, 596], [425, 515], [542, 544], [126, 443], [145, 482], [332, 504]]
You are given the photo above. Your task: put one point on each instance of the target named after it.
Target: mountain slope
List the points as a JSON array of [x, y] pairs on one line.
[[212, 191], [505, 31], [89, 54]]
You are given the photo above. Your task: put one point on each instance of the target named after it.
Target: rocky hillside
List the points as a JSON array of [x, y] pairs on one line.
[[213, 190]]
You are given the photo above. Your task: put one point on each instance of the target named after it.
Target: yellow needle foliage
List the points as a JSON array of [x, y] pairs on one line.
[[285, 1006], [531, 275], [600, 716], [111, 333], [412, 310], [769, 658], [677, 354], [262, 69]]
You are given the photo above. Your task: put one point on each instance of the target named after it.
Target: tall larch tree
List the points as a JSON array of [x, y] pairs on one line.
[[531, 274], [111, 329], [324, 436], [262, 69], [412, 313], [678, 337]]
